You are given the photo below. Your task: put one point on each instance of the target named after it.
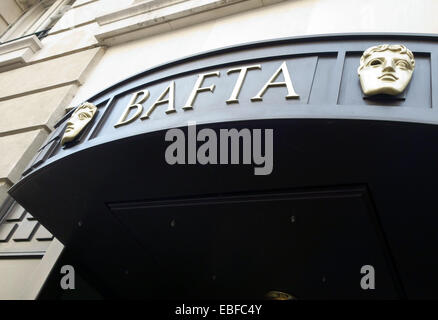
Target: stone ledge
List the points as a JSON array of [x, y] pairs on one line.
[[117, 24], [17, 150], [20, 114], [18, 52], [49, 74], [135, 9], [80, 3], [5, 184]]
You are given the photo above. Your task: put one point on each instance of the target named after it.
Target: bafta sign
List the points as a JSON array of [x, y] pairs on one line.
[[386, 69]]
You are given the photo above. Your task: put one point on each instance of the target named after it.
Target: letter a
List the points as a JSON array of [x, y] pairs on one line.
[[68, 281], [369, 279], [176, 151], [291, 94]]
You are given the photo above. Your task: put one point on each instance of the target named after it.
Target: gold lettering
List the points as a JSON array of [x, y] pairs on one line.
[[133, 104], [171, 101], [291, 94], [197, 88], [239, 83]]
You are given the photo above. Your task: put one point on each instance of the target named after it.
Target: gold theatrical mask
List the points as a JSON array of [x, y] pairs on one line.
[[278, 295], [386, 69], [78, 121]]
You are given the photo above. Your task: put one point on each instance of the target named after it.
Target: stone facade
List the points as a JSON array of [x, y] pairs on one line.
[[95, 43]]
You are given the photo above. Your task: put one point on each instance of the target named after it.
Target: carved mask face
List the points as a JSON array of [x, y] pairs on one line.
[[385, 72], [78, 121], [278, 295]]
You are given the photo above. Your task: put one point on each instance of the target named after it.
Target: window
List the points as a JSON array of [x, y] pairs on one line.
[[37, 20]]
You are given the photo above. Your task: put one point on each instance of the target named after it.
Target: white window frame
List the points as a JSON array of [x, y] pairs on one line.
[[27, 24]]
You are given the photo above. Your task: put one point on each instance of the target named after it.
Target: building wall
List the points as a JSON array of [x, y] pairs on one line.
[[97, 43], [38, 80], [10, 11], [250, 21]]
